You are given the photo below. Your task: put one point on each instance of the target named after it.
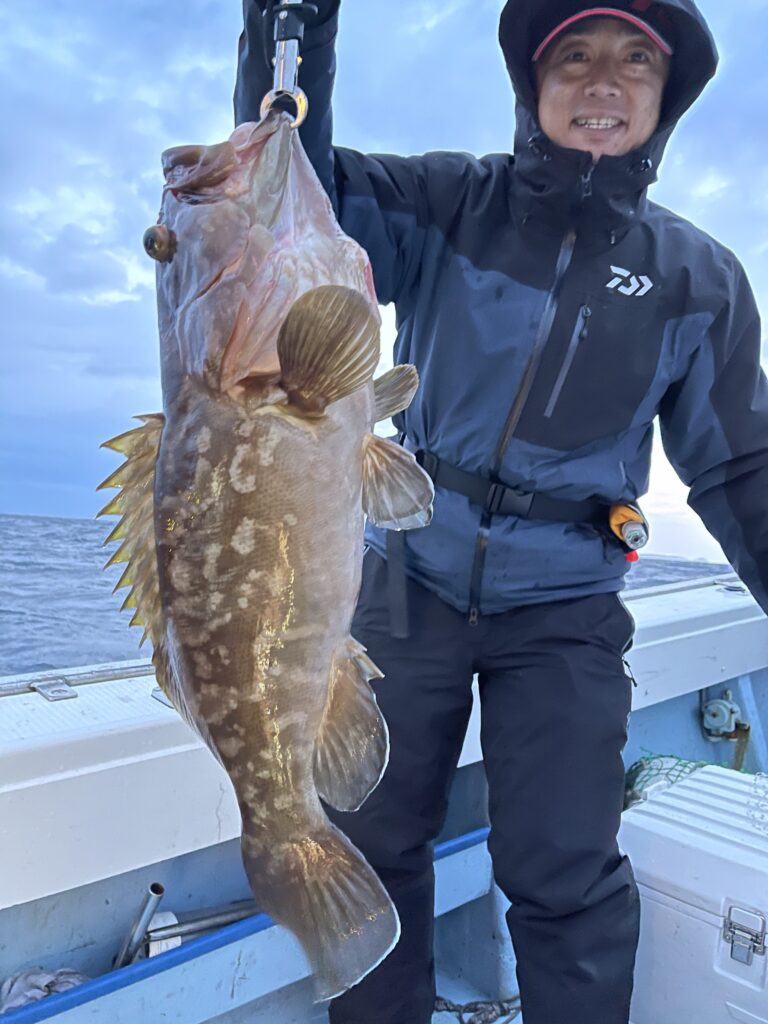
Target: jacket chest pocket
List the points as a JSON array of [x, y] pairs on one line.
[[604, 372], [579, 335]]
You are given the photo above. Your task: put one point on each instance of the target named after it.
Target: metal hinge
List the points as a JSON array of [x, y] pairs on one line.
[[745, 932], [58, 689]]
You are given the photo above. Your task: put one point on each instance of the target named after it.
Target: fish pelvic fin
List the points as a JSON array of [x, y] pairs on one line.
[[352, 746], [321, 888], [328, 347], [397, 493], [394, 390]]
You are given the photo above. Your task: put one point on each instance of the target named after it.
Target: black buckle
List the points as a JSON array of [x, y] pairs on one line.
[[518, 503], [428, 462]]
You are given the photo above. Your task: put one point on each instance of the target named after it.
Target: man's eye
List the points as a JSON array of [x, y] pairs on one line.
[[576, 55], [639, 57]]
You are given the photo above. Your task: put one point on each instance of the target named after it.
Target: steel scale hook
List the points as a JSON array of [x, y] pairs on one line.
[[288, 17]]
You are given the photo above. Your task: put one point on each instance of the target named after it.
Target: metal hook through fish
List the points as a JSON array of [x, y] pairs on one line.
[[288, 33]]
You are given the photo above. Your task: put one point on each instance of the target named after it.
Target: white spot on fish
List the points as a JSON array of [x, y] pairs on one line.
[[231, 746], [181, 576], [242, 481], [204, 439], [244, 537], [267, 446], [210, 558], [202, 664], [223, 653], [221, 620], [243, 602], [215, 600], [245, 429], [290, 519], [283, 802]]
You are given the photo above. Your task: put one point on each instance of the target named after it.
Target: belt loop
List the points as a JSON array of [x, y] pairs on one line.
[[397, 592]]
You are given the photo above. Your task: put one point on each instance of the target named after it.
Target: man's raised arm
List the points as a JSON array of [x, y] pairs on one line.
[[383, 202], [318, 68]]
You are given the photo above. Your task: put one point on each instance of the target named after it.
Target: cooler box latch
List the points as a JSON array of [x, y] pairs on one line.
[[745, 933]]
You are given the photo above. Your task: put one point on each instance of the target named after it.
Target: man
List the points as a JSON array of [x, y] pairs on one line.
[[552, 312]]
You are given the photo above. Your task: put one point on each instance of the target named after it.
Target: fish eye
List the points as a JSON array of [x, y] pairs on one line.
[[160, 243]]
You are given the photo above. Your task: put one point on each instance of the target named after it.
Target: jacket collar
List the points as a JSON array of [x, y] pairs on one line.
[[558, 188]]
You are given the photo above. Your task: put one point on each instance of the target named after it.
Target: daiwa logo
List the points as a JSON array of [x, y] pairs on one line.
[[628, 284]]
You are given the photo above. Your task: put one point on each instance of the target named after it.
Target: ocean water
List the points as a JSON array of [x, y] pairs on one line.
[[57, 609]]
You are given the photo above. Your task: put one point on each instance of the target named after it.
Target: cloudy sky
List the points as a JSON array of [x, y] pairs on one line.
[[94, 92]]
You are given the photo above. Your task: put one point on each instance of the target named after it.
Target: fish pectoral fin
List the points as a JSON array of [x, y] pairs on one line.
[[352, 746], [328, 347], [394, 391], [397, 493]]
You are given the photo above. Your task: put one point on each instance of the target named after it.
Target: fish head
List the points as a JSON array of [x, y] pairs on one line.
[[244, 229]]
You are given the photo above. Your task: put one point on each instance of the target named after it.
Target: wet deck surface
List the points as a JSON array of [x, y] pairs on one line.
[[661, 570]]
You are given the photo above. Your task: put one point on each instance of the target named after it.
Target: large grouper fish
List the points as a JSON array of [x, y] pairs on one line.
[[242, 511]]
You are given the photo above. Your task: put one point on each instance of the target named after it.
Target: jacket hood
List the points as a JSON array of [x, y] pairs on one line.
[[523, 25]]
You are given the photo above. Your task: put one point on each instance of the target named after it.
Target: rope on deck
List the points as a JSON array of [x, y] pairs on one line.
[[481, 1013], [758, 803]]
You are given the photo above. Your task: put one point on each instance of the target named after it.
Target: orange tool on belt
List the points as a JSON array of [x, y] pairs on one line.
[[629, 524]]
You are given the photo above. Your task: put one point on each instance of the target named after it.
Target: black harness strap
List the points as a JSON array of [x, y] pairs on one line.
[[397, 588], [500, 499], [497, 498]]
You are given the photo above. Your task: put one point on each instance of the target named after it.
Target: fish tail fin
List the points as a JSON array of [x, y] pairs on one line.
[[328, 347], [321, 888]]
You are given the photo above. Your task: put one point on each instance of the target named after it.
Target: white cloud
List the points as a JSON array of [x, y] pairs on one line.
[[710, 185], [425, 17]]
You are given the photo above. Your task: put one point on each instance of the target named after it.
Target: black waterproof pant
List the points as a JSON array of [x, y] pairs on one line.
[[555, 704]]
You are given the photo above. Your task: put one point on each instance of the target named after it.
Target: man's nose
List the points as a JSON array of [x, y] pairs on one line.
[[603, 82]]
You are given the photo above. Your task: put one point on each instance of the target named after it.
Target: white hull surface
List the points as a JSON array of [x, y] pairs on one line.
[[103, 793]]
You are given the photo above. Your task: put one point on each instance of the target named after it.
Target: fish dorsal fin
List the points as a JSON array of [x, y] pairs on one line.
[[136, 528], [394, 391], [136, 507], [352, 746], [397, 493], [328, 347]]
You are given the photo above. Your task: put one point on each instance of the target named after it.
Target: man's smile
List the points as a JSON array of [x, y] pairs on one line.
[[598, 123]]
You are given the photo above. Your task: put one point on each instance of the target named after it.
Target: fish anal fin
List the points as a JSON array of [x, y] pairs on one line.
[[397, 493], [394, 390], [352, 746], [328, 347]]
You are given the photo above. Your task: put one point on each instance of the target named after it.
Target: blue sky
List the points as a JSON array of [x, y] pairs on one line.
[[94, 92]]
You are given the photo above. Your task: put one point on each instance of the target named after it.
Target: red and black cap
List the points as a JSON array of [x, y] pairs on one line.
[[645, 15], [525, 25]]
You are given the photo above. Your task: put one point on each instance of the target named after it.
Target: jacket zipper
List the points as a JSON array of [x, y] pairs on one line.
[[580, 332], [542, 337]]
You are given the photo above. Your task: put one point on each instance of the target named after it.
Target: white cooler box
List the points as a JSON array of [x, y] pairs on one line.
[[701, 861]]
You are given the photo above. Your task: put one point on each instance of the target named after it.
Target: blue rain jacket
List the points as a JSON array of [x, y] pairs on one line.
[[553, 312]]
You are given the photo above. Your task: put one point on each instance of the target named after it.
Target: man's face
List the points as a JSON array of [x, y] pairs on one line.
[[600, 88]]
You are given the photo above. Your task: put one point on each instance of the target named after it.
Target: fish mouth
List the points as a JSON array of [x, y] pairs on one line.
[[190, 169]]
